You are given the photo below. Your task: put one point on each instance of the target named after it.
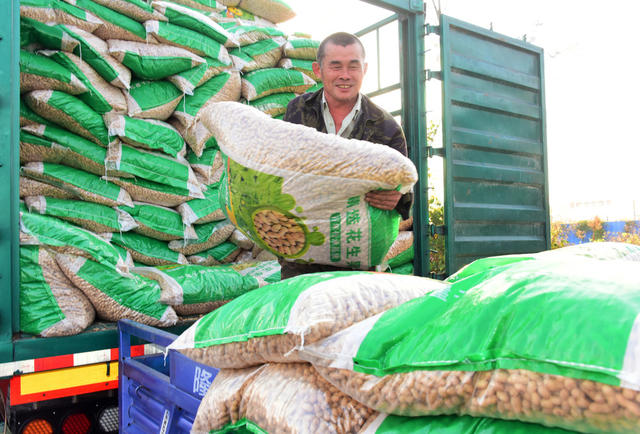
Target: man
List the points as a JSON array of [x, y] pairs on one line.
[[339, 108]]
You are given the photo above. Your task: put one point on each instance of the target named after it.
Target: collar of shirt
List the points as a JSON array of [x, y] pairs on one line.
[[347, 123]]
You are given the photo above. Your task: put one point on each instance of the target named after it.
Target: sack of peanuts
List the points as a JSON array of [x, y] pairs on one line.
[[279, 398], [602, 251], [69, 112], [50, 305], [263, 82], [248, 34], [153, 62], [220, 254], [152, 99], [59, 12], [382, 423], [550, 341], [187, 17], [300, 193], [144, 249], [192, 284], [114, 24], [275, 11], [136, 9], [84, 185], [31, 187], [115, 296], [150, 134], [50, 144], [101, 96], [259, 55], [91, 216], [191, 79], [301, 65], [41, 73], [234, 15], [302, 48], [63, 237], [269, 324], [159, 222]]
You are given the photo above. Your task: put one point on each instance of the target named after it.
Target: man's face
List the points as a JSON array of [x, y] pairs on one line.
[[342, 71]]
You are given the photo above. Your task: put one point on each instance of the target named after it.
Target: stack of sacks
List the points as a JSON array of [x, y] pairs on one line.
[[371, 353], [542, 349], [255, 339], [111, 91]]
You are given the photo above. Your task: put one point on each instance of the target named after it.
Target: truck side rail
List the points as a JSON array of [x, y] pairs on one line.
[[158, 393]]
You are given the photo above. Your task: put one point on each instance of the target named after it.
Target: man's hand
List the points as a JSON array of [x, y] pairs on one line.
[[383, 199]]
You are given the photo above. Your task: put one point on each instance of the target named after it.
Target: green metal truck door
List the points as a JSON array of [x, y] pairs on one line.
[[494, 134]]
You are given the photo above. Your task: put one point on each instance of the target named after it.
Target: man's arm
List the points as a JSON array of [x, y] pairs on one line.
[[398, 141], [391, 199]]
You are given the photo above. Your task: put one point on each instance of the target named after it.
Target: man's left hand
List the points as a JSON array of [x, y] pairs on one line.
[[383, 199]]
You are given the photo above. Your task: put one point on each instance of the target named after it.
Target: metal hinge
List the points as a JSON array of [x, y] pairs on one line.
[[432, 29], [437, 230], [434, 74], [435, 152]]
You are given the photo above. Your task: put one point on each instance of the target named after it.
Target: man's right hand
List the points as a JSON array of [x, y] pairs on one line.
[[383, 199]]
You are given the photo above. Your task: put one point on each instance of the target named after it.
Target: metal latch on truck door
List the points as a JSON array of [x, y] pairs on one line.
[[435, 152], [437, 230], [432, 29]]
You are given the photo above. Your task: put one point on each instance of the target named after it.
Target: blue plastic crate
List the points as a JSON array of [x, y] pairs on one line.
[[158, 394]]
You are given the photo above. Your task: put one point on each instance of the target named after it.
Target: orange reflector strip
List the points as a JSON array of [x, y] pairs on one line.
[[38, 426]]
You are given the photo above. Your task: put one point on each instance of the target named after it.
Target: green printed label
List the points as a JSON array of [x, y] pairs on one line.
[[336, 234]]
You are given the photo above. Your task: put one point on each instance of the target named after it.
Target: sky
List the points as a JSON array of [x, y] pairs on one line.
[[592, 79]]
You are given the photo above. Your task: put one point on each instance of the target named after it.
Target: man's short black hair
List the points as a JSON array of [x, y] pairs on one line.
[[341, 38]]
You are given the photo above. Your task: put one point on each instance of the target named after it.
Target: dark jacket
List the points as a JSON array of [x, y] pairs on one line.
[[373, 124]]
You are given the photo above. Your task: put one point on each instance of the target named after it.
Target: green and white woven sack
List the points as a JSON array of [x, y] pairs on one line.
[[272, 323], [159, 222], [195, 20], [145, 250], [263, 82], [69, 112], [117, 297], [139, 10], [153, 62], [55, 11], [189, 80], [100, 95], [299, 193], [189, 39], [41, 73], [50, 305], [84, 185], [153, 166], [92, 216], [63, 237], [150, 134], [114, 24], [152, 99]]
